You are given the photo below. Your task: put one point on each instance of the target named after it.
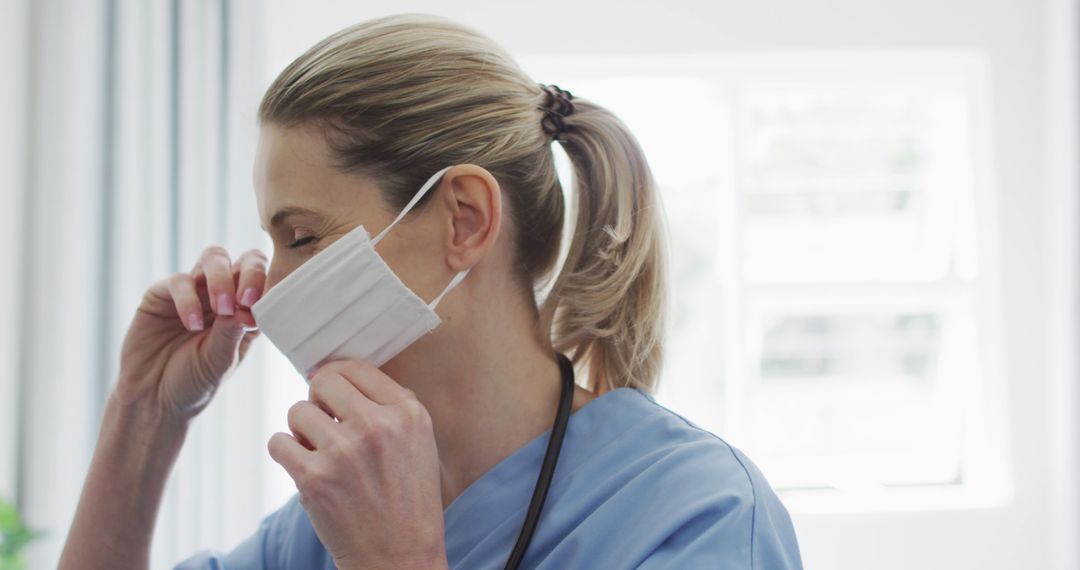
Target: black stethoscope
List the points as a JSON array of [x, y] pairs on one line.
[[543, 482]]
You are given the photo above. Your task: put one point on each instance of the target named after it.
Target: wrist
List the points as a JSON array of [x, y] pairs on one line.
[[429, 559], [142, 425], [434, 559], [143, 409]]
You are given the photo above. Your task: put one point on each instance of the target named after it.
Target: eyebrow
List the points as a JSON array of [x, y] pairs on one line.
[[283, 213]]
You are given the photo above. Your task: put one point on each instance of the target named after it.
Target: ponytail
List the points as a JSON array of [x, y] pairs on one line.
[[606, 306]]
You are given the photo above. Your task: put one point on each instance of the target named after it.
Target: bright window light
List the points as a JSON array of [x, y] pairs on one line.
[[831, 315]]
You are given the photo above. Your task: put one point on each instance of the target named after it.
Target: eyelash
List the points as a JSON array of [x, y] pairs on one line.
[[302, 241]]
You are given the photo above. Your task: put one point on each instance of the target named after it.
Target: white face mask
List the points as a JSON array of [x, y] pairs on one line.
[[346, 302]]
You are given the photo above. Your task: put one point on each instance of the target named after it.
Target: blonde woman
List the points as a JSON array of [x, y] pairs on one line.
[[445, 426]]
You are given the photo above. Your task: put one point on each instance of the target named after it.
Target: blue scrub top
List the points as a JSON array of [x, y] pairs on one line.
[[636, 486]]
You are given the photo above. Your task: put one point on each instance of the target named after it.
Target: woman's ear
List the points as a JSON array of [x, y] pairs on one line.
[[474, 201]]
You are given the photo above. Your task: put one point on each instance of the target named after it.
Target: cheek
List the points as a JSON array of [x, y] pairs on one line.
[[419, 266]]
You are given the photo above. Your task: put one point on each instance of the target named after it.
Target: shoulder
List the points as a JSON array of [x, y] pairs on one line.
[[678, 450], [706, 501], [284, 539]]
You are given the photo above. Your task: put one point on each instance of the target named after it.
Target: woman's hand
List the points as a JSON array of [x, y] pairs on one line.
[[370, 480], [189, 333]]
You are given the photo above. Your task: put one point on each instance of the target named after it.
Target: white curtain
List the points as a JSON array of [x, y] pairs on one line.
[[13, 103], [140, 129]]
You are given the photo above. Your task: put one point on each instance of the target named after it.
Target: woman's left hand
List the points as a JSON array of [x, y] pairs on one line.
[[369, 481]]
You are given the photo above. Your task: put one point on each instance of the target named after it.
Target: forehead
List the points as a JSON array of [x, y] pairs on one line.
[[293, 174]]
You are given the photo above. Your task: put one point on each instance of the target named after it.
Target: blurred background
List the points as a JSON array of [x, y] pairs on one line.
[[873, 211]]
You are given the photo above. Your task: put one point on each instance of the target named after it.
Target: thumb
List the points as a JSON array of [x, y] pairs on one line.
[[221, 344]]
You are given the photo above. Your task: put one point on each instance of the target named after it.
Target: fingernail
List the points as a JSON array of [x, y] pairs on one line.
[[249, 297], [225, 304], [195, 322]]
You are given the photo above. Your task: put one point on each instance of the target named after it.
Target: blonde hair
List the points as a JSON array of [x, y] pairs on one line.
[[404, 95]]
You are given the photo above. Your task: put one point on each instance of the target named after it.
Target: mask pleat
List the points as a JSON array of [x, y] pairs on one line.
[[359, 327]]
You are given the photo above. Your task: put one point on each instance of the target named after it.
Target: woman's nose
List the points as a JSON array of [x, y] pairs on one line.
[[273, 275]]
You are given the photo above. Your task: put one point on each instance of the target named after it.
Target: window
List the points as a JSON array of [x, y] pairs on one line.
[[833, 312]]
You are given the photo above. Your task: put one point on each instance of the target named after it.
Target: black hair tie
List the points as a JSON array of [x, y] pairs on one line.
[[557, 106]]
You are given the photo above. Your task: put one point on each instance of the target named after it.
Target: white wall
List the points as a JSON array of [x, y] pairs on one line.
[[1009, 31]]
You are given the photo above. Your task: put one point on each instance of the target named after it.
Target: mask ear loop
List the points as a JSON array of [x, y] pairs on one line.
[[423, 190], [404, 211], [453, 283]]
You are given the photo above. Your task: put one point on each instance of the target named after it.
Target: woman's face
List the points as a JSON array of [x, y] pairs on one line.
[[305, 204]]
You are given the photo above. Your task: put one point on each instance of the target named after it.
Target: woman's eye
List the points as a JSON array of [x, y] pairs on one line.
[[302, 241]]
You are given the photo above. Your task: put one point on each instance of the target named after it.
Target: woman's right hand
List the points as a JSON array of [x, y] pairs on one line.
[[189, 333]]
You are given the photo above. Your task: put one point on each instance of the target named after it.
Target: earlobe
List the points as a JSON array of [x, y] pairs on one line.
[[475, 206]]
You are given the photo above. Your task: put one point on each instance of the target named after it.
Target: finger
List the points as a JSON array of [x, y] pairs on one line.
[[181, 288], [250, 269], [220, 348], [249, 277], [217, 268], [335, 394], [371, 381], [287, 452], [199, 279], [308, 421]]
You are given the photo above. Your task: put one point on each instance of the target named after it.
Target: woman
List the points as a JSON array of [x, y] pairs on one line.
[[426, 451]]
